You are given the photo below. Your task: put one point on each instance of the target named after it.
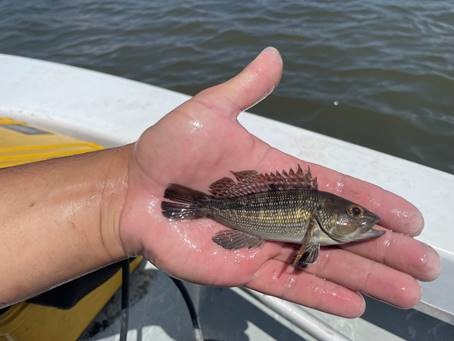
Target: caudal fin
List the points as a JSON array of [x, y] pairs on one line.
[[188, 203]]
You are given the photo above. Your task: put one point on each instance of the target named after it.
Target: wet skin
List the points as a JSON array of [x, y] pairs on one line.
[[198, 143]]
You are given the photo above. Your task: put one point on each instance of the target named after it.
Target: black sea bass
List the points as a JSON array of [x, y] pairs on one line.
[[283, 207]]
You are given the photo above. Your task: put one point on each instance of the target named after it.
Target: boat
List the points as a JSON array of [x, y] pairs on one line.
[[112, 111]]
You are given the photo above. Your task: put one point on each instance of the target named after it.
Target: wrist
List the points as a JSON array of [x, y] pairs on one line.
[[114, 190]]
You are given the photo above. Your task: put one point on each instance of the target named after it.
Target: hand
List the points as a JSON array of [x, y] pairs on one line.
[[200, 142]]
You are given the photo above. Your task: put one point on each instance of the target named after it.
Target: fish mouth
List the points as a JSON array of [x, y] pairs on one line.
[[373, 233]]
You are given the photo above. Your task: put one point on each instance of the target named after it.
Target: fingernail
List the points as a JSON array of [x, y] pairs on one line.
[[431, 263], [267, 50], [271, 50], [418, 222], [413, 221]]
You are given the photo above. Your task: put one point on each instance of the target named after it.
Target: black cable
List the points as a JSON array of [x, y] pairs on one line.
[[124, 299], [198, 336]]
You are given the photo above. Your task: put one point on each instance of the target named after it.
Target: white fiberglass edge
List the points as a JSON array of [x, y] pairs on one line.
[[299, 317], [114, 111]]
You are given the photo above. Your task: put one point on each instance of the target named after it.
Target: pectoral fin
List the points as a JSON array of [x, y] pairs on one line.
[[233, 239], [308, 252]]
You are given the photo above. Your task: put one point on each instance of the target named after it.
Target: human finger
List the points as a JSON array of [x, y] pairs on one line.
[[367, 276], [400, 252], [256, 81], [278, 279]]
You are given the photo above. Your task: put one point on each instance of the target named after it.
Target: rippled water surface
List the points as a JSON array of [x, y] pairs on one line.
[[388, 65]]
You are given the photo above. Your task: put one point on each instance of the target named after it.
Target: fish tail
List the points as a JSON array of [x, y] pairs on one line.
[[188, 203]]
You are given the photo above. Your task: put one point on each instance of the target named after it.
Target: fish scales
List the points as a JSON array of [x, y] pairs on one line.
[[277, 215]]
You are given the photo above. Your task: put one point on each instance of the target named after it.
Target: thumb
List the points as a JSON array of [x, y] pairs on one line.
[[251, 85]]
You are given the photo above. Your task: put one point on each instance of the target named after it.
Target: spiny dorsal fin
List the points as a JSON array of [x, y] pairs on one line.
[[245, 176], [221, 188], [249, 182]]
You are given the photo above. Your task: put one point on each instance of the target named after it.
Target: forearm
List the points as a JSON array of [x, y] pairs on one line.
[[59, 219]]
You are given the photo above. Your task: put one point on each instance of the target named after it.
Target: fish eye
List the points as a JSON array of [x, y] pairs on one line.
[[354, 211]]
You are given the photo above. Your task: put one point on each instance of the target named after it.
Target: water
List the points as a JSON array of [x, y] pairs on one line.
[[376, 73]]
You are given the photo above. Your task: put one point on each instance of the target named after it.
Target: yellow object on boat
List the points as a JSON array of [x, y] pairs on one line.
[[19, 144]]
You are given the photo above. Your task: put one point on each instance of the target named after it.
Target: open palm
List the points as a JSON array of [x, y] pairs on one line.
[[200, 142]]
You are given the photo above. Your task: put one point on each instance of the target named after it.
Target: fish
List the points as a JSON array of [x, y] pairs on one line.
[[283, 206]]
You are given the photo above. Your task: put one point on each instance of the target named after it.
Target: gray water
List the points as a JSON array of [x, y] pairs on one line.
[[389, 65]]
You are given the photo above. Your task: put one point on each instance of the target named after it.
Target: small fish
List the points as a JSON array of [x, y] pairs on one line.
[[284, 207]]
